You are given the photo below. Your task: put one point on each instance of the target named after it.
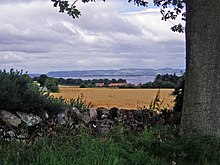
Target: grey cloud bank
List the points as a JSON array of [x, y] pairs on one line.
[[112, 35]]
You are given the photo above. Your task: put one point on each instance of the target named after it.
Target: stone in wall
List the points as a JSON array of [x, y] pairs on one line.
[[9, 118]]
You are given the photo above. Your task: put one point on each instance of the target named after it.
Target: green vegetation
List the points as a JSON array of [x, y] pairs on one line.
[[158, 145], [19, 93], [79, 103], [160, 81], [88, 83], [156, 103], [163, 81], [50, 83], [154, 145]]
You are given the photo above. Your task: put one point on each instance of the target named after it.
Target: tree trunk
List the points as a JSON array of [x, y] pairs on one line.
[[201, 107]]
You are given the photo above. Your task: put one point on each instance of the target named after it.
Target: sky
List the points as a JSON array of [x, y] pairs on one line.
[[115, 34]]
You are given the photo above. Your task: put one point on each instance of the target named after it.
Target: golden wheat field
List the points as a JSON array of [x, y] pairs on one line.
[[121, 98]]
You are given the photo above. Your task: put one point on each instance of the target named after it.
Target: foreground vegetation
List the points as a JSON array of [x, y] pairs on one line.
[[157, 145], [19, 93], [154, 144]]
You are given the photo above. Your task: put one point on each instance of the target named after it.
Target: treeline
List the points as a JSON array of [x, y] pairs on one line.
[[88, 83], [52, 83], [160, 81], [164, 81]]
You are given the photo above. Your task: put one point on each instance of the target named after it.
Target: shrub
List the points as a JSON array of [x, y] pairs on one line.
[[49, 82], [18, 93], [52, 84]]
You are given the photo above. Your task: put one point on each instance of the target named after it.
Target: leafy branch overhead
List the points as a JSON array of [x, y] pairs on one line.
[[178, 5], [72, 11]]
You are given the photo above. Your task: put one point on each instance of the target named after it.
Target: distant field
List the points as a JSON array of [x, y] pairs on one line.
[[121, 98]]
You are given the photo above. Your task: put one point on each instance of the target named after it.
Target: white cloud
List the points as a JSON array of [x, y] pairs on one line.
[[108, 35], [10, 57]]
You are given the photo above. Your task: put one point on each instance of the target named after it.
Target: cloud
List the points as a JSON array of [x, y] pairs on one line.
[[10, 57], [110, 35]]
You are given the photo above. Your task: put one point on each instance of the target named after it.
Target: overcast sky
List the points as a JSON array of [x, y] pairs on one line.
[[35, 37]]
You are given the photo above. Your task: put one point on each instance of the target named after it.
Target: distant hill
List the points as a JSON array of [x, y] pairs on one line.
[[120, 72]]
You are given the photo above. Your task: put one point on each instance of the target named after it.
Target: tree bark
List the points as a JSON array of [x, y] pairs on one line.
[[201, 107]]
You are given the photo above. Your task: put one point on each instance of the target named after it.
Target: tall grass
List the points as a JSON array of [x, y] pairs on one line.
[[159, 145]]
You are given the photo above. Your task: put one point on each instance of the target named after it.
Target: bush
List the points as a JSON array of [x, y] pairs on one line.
[[18, 93], [52, 84], [49, 82]]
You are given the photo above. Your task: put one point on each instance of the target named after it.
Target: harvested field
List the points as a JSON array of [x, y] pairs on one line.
[[121, 98]]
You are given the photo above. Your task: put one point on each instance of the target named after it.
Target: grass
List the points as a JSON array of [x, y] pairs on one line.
[[121, 98], [159, 145]]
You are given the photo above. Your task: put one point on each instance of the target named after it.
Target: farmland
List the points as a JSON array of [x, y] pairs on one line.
[[121, 98]]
